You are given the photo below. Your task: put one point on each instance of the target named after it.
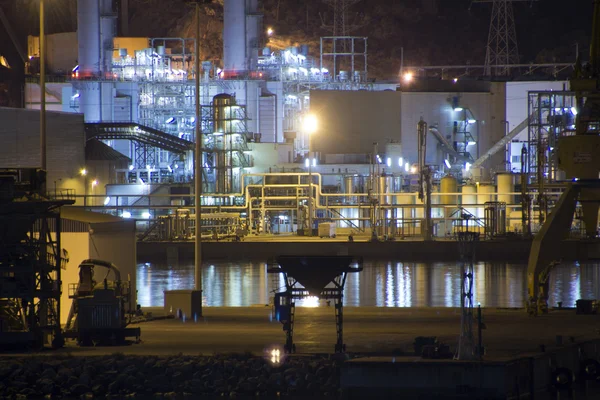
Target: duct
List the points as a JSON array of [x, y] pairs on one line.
[[502, 143], [446, 145]]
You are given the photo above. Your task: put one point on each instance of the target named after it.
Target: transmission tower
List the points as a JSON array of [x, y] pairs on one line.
[[341, 25], [502, 50]]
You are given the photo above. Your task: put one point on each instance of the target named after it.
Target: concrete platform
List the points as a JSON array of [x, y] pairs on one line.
[[368, 330]]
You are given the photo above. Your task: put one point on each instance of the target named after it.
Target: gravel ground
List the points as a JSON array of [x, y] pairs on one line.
[[176, 377]]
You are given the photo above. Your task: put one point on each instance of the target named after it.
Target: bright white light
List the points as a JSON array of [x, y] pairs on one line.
[[176, 166], [400, 162], [573, 110], [307, 162], [324, 70], [311, 301], [314, 162], [168, 121], [471, 143], [131, 167], [447, 163], [75, 68], [94, 182], [467, 166], [408, 77], [455, 80], [107, 200], [145, 215], [83, 172], [147, 166], [76, 95], [457, 109], [406, 167], [169, 168], [472, 121], [389, 162], [126, 214], [270, 31], [310, 123], [413, 170], [193, 119]]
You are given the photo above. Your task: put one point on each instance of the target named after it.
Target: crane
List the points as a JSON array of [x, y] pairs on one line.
[[579, 157]]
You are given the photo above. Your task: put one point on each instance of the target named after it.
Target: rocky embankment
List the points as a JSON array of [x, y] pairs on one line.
[[118, 376]]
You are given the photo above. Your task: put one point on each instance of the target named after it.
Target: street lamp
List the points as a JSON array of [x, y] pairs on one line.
[[310, 125], [94, 183], [83, 172]]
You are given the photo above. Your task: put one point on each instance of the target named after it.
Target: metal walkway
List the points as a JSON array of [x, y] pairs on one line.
[[139, 133]]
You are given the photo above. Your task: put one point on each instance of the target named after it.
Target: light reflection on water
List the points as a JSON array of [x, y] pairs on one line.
[[383, 284]]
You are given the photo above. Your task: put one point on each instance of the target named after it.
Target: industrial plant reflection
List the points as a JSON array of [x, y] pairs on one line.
[[382, 284]]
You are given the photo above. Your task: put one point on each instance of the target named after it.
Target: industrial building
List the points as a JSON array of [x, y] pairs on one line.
[[137, 95]]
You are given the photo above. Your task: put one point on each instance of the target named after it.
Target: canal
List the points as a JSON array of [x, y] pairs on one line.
[[381, 283]]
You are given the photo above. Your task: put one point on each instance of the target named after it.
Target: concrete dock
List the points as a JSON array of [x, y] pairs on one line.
[[370, 330]]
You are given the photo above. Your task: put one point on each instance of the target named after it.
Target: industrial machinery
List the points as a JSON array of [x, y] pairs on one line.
[[579, 158], [31, 259], [98, 312], [320, 276]]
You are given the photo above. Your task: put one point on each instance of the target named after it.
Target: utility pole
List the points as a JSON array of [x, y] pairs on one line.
[[198, 158], [198, 166], [42, 87], [501, 49]]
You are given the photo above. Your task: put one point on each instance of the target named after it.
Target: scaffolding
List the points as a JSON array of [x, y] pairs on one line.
[[224, 144]]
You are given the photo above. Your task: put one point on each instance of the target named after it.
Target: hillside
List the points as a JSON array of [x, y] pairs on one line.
[[432, 32]]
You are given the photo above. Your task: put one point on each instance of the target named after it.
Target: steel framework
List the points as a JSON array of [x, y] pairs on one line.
[[502, 49], [31, 260]]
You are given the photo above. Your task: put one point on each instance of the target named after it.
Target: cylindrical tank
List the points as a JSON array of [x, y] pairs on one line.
[[385, 186], [469, 197], [448, 184], [160, 50], [506, 184], [234, 35], [221, 109], [485, 193], [343, 76]]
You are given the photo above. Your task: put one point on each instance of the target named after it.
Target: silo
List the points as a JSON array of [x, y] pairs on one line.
[[506, 184], [485, 193]]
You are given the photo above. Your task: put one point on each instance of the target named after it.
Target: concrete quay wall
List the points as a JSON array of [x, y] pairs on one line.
[[514, 251], [444, 379]]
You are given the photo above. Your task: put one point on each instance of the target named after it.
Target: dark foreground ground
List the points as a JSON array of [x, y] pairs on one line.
[[178, 359]]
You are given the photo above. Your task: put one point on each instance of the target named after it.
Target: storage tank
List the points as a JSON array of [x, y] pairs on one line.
[[385, 186], [469, 197], [485, 193], [506, 184], [448, 184], [221, 112]]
